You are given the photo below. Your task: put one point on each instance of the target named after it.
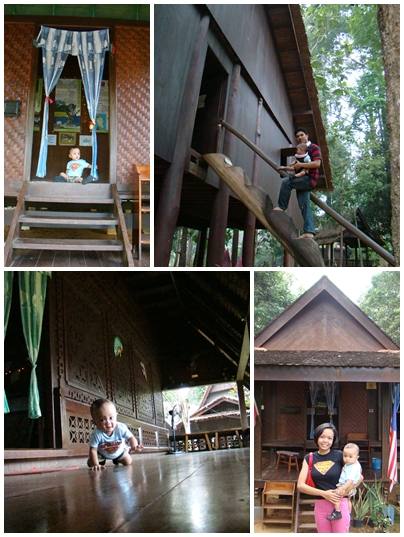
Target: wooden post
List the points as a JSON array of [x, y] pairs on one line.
[[241, 402], [249, 233], [169, 204], [201, 247], [218, 221], [257, 435], [234, 248]]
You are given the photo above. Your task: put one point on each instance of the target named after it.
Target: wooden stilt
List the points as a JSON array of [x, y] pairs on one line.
[[218, 222], [249, 232], [169, 205]]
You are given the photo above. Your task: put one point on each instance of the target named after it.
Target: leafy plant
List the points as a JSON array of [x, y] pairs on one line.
[[378, 512], [361, 504]]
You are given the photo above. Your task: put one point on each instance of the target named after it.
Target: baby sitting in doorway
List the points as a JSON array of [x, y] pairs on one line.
[[107, 441], [74, 169]]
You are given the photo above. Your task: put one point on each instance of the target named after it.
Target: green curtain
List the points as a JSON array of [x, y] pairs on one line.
[[32, 302], [8, 293]]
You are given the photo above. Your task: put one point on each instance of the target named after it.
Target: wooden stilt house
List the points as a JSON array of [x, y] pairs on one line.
[[248, 64], [47, 113], [323, 359]]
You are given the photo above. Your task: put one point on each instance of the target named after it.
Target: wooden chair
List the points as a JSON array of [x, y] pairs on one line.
[[289, 458], [362, 440]]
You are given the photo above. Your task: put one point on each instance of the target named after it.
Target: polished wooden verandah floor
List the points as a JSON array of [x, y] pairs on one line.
[[205, 492]]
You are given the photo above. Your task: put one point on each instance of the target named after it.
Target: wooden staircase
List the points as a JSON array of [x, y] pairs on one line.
[[304, 518], [68, 206]]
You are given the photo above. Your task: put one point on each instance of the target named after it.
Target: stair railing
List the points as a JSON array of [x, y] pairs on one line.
[[337, 217], [121, 230], [14, 230]]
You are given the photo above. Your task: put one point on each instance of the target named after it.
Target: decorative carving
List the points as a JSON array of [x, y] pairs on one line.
[[80, 430]]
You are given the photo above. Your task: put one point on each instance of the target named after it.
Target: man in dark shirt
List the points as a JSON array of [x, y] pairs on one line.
[[302, 185]]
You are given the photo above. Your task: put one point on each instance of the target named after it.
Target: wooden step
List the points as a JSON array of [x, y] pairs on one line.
[[67, 221], [307, 501], [306, 513], [68, 244], [83, 199], [308, 526], [276, 520]]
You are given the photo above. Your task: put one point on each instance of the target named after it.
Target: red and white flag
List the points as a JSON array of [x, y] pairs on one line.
[[392, 470]]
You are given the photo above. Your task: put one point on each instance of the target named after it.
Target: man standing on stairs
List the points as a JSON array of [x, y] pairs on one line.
[[303, 185]]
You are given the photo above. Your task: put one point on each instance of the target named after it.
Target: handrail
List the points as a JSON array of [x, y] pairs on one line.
[[14, 230], [341, 220], [122, 234]]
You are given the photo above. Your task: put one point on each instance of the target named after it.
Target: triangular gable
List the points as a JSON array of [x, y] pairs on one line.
[[216, 403], [323, 318]]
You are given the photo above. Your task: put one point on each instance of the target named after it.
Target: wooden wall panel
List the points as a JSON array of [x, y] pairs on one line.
[[353, 395], [133, 100], [18, 58], [323, 325], [90, 313]]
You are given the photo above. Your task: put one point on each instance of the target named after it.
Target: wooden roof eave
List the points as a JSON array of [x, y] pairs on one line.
[[324, 373]]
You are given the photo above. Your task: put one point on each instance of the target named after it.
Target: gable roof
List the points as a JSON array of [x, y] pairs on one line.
[[324, 319]]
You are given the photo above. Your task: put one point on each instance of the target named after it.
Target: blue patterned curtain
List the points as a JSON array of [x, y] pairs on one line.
[[90, 48], [330, 389], [91, 57], [56, 46], [8, 293], [32, 302]]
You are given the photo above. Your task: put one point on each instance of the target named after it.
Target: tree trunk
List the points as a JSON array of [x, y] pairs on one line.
[[388, 17]]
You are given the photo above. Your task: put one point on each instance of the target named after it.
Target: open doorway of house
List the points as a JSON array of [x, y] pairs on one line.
[[69, 121], [319, 409], [211, 105]]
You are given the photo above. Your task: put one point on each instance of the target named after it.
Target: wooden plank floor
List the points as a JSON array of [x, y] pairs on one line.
[[205, 492], [48, 258]]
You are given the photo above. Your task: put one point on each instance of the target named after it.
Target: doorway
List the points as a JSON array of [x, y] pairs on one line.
[[320, 409], [211, 105], [69, 121]]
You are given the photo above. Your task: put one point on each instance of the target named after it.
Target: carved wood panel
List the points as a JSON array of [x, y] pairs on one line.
[[90, 312]]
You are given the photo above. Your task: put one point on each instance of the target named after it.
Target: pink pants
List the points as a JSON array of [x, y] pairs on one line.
[[324, 508]]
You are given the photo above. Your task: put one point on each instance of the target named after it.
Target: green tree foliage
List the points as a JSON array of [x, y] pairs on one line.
[[272, 295], [381, 303], [347, 62]]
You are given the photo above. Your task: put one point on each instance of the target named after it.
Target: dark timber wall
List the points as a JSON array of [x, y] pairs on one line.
[[237, 34], [86, 316]]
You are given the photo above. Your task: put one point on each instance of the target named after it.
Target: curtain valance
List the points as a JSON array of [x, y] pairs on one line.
[[72, 42]]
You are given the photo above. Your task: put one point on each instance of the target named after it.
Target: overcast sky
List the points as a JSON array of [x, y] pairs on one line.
[[351, 281]]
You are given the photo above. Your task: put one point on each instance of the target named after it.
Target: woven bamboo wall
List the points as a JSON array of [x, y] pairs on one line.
[[133, 100], [17, 78]]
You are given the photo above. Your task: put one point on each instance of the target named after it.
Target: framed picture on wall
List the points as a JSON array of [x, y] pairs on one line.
[[67, 138]]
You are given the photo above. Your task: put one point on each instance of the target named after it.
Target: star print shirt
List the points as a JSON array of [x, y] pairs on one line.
[[111, 447], [326, 469], [76, 167]]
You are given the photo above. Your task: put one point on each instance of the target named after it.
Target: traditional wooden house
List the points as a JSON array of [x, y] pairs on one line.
[[49, 110], [323, 359], [248, 64], [125, 336], [354, 252]]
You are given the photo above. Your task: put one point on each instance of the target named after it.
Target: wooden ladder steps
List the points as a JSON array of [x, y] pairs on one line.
[[71, 220], [68, 244]]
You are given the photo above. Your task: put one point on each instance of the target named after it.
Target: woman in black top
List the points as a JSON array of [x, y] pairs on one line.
[[326, 470]]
